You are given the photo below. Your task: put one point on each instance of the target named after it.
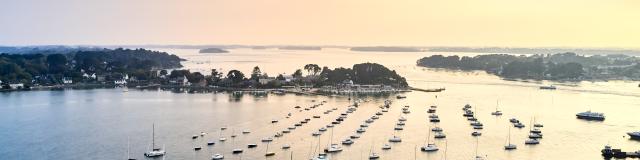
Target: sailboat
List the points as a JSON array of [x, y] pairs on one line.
[[395, 138], [477, 156], [510, 146], [332, 147], [373, 155], [155, 152], [222, 138], [236, 150], [429, 147], [129, 150], [497, 112], [267, 151]]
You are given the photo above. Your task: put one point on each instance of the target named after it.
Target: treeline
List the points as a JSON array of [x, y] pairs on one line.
[[365, 73], [51, 68], [564, 66]]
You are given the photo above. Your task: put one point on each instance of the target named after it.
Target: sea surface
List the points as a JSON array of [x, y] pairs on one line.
[[104, 123]]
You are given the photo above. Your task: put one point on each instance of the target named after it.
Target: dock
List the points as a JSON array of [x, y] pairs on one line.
[[609, 153]]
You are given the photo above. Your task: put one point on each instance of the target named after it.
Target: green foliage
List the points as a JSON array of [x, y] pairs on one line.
[[235, 76]]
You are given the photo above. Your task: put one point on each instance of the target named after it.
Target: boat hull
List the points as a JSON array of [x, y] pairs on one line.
[[590, 118]]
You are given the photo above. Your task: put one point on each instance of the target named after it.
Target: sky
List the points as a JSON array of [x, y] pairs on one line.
[[501, 23]]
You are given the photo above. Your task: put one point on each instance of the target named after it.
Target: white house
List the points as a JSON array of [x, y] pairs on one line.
[[16, 86], [120, 82], [67, 80]]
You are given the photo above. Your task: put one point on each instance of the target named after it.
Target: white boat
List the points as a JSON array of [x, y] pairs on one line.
[[433, 116], [535, 135], [347, 141], [333, 148], [386, 147], [155, 152], [436, 129], [267, 153], [385, 110], [398, 128], [286, 146], [369, 121], [402, 119], [360, 130], [497, 112], [518, 125], [374, 117], [478, 127], [217, 156], [322, 129], [440, 135], [395, 139], [321, 156], [406, 111], [355, 136], [315, 133], [549, 87], [268, 139], [476, 133], [634, 135], [400, 123], [429, 148], [373, 156], [246, 132]]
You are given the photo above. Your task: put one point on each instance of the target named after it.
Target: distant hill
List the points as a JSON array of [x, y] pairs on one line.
[[386, 49], [299, 48], [213, 50]]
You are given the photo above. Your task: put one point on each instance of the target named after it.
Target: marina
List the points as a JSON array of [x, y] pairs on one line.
[[179, 116]]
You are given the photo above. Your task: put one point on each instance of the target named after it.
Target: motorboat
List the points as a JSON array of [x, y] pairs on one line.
[[316, 116], [373, 156], [315, 133], [286, 146], [478, 127], [217, 156], [268, 139], [322, 129], [518, 125], [210, 143], [431, 110], [436, 129], [538, 125], [476, 133], [514, 120], [252, 145], [369, 121], [531, 141], [355, 136], [246, 132], [395, 139], [476, 123], [402, 119], [429, 148], [434, 120], [634, 135], [237, 151], [364, 125], [588, 115], [374, 117], [433, 116], [347, 141], [360, 130], [398, 128], [535, 130], [496, 113], [386, 147], [440, 135], [400, 123], [535, 135], [472, 118]]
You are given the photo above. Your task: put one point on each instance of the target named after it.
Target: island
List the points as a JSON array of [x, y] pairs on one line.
[[213, 50], [386, 49], [562, 66]]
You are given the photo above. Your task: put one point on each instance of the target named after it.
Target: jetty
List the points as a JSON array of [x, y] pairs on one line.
[[428, 90]]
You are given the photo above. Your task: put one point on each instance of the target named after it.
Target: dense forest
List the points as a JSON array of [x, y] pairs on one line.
[[564, 66], [50, 68]]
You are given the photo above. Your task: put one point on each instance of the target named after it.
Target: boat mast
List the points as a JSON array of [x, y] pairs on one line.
[[509, 137], [476, 147], [153, 136]]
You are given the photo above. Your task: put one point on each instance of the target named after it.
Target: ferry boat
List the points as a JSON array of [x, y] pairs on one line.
[[588, 115]]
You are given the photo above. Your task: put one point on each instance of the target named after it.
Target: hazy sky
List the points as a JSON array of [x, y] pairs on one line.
[[526, 23]]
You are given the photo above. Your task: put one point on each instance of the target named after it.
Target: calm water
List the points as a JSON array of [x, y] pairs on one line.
[[95, 124]]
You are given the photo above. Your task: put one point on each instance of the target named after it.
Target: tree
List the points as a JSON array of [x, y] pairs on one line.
[[280, 77], [57, 63], [195, 77], [255, 74], [163, 72], [235, 76], [312, 69], [297, 74]]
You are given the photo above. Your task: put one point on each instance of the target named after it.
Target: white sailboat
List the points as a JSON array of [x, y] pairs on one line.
[[155, 152], [477, 156], [267, 153], [497, 112], [429, 147]]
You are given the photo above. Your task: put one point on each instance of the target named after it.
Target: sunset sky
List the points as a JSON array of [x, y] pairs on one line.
[[506, 23]]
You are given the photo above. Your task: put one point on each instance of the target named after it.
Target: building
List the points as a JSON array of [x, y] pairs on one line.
[[266, 80], [120, 82], [16, 86], [180, 81], [67, 80]]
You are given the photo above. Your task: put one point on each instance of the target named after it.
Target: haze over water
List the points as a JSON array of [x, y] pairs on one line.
[[95, 124]]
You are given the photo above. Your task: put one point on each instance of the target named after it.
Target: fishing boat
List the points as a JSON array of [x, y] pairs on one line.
[[155, 152]]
